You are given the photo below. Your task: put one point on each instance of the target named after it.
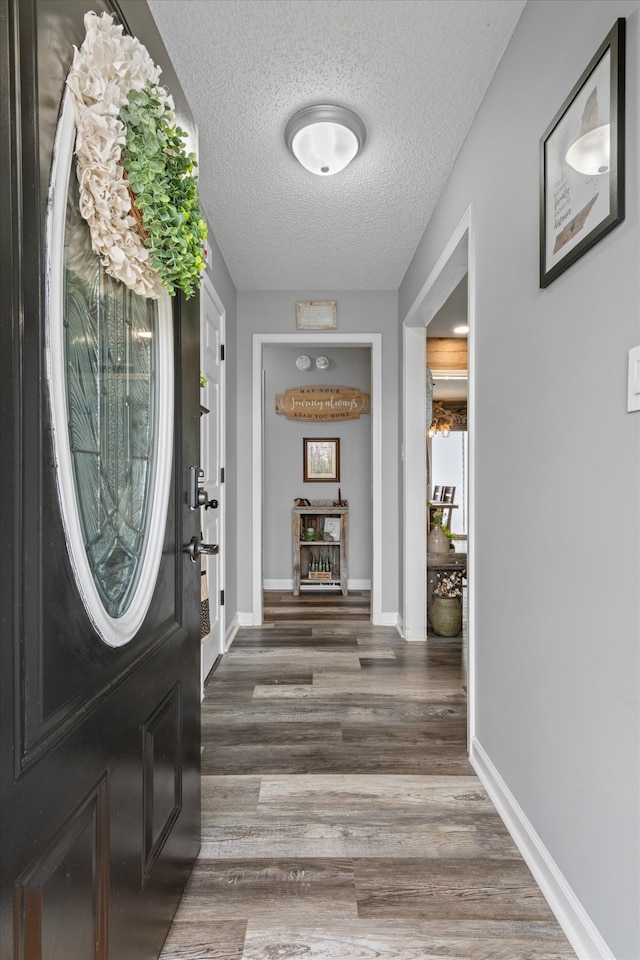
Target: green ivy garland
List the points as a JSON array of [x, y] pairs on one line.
[[160, 177]]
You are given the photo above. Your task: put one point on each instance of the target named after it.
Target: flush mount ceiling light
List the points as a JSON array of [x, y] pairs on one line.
[[325, 138]]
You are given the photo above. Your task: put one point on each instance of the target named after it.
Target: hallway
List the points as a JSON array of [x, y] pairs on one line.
[[340, 816]]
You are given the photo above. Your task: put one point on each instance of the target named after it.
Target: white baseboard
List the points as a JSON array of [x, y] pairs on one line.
[[571, 915], [277, 585], [244, 619], [359, 584], [231, 631], [410, 636], [388, 618]]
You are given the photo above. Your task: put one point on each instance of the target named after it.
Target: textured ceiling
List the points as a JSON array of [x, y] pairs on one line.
[[414, 70]]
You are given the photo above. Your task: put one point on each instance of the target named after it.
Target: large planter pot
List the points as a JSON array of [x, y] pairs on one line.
[[438, 541], [446, 616]]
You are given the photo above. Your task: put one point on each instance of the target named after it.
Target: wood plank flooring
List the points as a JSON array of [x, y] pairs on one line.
[[341, 818]]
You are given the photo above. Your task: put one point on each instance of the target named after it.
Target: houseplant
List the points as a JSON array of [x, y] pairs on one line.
[[445, 611]]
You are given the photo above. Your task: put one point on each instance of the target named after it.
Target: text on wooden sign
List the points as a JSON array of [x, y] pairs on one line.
[[326, 404]]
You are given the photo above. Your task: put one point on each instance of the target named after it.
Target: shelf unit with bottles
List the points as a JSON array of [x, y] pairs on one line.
[[320, 547]]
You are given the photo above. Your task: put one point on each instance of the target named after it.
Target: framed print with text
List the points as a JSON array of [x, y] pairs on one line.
[[316, 314], [582, 162]]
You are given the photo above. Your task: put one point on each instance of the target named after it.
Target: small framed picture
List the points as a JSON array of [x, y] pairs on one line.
[[332, 528], [321, 459], [316, 314]]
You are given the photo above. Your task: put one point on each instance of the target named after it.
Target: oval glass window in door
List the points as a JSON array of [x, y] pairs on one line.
[[111, 381]]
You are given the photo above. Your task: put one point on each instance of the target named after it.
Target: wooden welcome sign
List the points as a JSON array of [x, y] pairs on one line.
[[326, 404]]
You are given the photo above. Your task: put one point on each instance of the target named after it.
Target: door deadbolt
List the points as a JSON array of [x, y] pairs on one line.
[[197, 496]]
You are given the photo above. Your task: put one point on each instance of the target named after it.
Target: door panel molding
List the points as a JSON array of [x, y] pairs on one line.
[[74, 871], [162, 784], [49, 732]]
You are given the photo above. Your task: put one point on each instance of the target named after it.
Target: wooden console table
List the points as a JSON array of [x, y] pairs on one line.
[[443, 563], [309, 551]]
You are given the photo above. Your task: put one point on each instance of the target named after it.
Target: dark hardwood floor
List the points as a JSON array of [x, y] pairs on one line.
[[281, 605], [341, 818]]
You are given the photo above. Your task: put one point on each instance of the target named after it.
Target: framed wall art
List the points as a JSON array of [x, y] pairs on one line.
[[316, 314], [332, 526], [582, 162], [321, 459]]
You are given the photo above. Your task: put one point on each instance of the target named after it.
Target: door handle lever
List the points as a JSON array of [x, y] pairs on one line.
[[195, 548]]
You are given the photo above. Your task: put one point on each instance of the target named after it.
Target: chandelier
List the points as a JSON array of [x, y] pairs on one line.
[[446, 419]]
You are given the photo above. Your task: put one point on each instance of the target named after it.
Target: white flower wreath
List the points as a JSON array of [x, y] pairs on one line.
[[108, 65]]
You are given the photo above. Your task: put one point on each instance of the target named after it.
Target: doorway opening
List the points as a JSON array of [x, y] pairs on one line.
[[447, 469], [456, 261], [301, 343]]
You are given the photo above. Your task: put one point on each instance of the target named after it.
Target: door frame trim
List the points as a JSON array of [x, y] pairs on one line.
[[220, 307], [372, 340], [458, 257]]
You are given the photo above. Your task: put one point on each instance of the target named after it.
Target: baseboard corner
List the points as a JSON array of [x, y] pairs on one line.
[[387, 618]]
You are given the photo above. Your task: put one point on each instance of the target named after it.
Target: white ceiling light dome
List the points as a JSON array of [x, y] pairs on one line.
[[325, 138]]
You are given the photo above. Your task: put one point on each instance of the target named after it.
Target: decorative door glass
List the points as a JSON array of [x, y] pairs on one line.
[[110, 348], [111, 381]]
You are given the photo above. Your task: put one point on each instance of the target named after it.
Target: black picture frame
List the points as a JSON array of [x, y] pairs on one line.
[[578, 208], [320, 459]]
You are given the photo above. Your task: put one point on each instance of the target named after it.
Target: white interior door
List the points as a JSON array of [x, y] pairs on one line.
[[212, 462]]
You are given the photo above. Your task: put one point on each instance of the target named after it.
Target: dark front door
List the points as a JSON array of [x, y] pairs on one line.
[[100, 728]]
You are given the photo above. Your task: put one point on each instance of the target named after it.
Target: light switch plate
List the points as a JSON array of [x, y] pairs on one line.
[[633, 398]]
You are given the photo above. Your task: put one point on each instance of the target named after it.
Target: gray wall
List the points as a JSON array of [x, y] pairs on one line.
[[349, 367], [558, 630], [358, 312]]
